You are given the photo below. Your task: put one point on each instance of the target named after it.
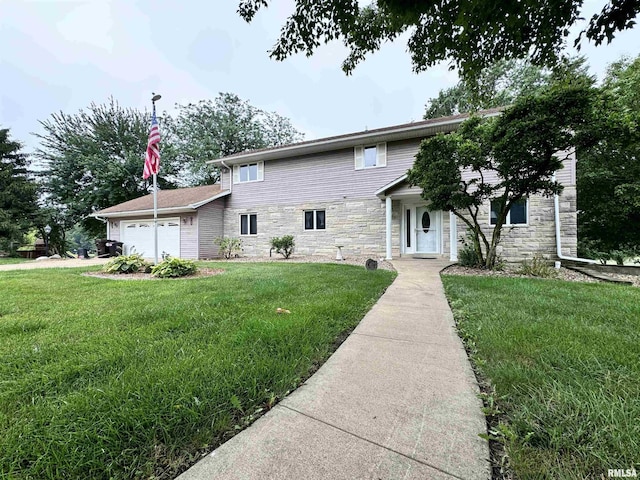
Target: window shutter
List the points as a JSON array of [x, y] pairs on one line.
[[382, 155], [359, 157], [260, 171], [236, 174]]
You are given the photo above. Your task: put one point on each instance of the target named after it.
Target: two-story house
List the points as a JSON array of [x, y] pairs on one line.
[[348, 190]]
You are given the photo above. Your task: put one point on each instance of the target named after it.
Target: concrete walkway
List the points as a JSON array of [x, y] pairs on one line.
[[54, 263], [397, 400]]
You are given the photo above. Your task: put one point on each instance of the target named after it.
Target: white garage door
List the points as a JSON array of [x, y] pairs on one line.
[[138, 237]]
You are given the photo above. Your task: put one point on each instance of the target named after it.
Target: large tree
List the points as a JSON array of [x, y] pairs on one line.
[[93, 159], [216, 128], [609, 168], [497, 85], [504, 159], [470, 34], [18, 194], [500, 84]]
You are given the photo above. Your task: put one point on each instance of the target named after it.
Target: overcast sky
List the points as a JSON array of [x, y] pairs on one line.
[[60, 55]]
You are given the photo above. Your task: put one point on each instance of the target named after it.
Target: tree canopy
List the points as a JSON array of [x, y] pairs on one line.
[[497, 85], [93, 159], [608, 169], [471, 35], [504, 159], [212, 129], [18, 198]]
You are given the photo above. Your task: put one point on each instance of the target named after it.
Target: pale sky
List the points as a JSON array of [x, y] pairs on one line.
[[58, 55]]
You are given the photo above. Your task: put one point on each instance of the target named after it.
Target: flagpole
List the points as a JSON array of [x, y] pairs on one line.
[[155, 197], [155, 218]]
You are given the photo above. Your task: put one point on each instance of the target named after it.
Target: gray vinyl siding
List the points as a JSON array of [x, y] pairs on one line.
[[324, 177], [210, 226], [332, 176], [189, 236], [567, 174], [114, 230]]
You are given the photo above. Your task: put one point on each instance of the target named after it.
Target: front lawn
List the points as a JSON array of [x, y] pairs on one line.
[[135, 379], [564, 359], [13, 260]]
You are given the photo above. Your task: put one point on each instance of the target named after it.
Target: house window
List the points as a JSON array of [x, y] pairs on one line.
[[249, 224], [314, 220], [250, 172], [517, 214], [370, 156]]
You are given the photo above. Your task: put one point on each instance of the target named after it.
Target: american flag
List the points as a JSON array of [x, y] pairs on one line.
[[152, 155]]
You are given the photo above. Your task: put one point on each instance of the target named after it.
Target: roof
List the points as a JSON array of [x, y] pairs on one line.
[[423, 128], [169, 201], [394, 183]]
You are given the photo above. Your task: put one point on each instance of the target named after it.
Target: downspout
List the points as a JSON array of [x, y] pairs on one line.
[[230, 192], [103, 220], [556, 209], [230, 175], [389, 226]]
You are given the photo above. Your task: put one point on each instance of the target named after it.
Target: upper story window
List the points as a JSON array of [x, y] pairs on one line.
[[249, 172], [370, 156], [517, 214], [314, 220]]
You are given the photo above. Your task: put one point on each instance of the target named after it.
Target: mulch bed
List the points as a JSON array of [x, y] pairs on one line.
[[202, 272], [512, 271]]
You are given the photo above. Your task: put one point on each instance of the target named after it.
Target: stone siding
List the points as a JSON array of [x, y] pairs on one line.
[[357, 224], [539, 236]]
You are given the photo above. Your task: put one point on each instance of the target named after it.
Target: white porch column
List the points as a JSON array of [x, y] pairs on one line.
[[453, 237], [389, 226]]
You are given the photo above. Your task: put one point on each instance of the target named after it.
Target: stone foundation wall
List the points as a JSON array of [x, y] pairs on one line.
[[538, 237], [357, 224]]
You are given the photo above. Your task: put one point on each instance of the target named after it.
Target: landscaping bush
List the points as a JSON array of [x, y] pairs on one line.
[[537, 267], [591, 249], [467, 256], [229, 246], [283, 245], [127, 264], [172, 267]]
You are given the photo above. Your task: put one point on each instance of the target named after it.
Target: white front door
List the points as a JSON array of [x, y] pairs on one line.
[[427, 231], [421, 232]]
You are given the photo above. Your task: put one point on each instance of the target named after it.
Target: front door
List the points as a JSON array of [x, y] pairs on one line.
[[427, 231], [421, 230]]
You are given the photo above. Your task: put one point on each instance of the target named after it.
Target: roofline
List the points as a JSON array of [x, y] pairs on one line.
[[148, 211], [224, 193], [183, 209], [391, 184], [398, 132]]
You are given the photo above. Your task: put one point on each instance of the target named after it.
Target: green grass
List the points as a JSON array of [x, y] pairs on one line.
[[13, 260], [131, 379], [564, 359]]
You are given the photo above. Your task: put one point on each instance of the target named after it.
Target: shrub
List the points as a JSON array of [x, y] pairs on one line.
[[172, 267], [467, 256], [537, 267], [283, 245], [229, 246], [590, 249], [126, 264]]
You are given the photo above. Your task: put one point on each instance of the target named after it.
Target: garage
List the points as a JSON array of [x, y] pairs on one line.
[[189, 220], [137, 237]]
